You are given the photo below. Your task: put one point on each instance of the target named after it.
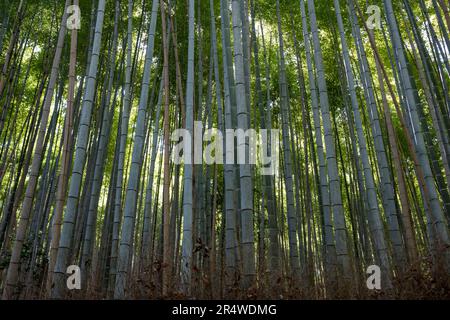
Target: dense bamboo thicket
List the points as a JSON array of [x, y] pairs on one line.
[[353, 96]]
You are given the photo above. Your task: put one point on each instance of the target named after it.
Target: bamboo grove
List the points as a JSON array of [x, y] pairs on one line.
[[86, 172]]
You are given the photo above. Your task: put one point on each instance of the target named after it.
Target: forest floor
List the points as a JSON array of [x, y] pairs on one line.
[[415, 284]]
